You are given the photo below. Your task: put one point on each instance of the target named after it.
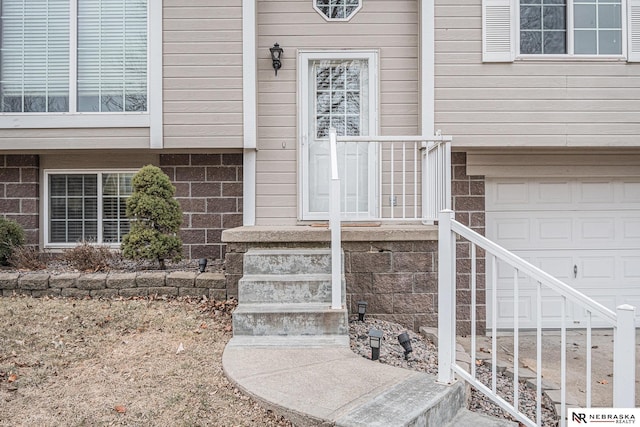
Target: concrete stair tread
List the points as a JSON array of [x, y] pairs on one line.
[[290, 341], [286, 308], [285, 277], [287, 251], [466, 418]]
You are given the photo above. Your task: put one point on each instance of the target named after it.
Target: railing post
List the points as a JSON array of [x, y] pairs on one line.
[[624, 358], [446, 298], [334, 225]]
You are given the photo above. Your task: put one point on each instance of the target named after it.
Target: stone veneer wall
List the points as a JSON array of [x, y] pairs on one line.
[[19, 192], [468, 194], [106, 285], [209, 189]]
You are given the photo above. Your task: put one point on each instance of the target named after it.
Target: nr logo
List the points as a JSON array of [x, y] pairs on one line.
[[579, 418]]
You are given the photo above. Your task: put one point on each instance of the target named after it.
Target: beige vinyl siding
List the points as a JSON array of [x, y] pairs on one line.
[[74, 139], [202, 74], [530, 103], [390, 26]]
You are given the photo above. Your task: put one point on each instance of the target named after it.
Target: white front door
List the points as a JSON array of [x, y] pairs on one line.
[[585, 232], [338, 89]]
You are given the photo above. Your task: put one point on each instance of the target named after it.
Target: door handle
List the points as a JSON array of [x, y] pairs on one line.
[[575, 271]]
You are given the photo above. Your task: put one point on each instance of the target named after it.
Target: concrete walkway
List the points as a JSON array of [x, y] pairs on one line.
[[333, 386]]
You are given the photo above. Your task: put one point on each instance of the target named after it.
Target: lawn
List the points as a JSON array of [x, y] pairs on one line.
[[142, 362]]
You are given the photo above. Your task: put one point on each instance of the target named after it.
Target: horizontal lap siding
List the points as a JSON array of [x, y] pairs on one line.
[[527, 103], [203, 74], [391, 27], [73, 139]]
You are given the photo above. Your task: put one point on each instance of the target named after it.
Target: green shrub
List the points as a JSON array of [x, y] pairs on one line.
[[155, 218], [11, 236]]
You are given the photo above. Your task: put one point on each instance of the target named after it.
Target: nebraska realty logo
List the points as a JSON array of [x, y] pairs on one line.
[[599, 416]]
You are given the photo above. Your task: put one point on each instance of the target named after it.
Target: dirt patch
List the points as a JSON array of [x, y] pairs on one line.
[[143, 362]]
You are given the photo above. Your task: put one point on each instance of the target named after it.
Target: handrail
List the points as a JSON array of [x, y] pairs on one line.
[[334, 225], [622, 320], [539, 275]]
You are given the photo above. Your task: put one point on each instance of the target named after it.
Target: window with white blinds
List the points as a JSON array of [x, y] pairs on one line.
[[86, 206], [41, 72]]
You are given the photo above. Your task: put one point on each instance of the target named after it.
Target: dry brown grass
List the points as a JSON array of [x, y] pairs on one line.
[[114, 362]]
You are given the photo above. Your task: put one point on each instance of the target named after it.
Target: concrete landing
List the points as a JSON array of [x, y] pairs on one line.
[[334, 386]]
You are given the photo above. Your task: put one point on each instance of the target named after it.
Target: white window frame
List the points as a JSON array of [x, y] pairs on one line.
[[73, 119], [317, 8], [47, 210], [570, 37], [501, 34], [305, 58]]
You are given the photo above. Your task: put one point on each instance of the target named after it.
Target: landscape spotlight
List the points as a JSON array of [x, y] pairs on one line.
[[362, 309], [202, 264], [405, 342], [375, 338]]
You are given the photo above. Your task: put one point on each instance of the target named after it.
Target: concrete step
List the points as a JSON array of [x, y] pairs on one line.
[[287, 261], [417, 401], [289, 319], [297, 288], [466, 418], [290, 341]]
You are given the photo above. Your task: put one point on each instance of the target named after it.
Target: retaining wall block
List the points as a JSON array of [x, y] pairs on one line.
[[133, 292], [104, 293], [163, 290], [9, 280], [182, 279], [92, 281], [34, 281], [193, 292], [150, 280], [210, 280], [121, 280], [75, 293], [64, 280]]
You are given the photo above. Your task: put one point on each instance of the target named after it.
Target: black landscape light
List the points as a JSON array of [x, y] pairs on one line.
[[375, 339], [202, 264], [276, 54], [362, 309], [405, 342]]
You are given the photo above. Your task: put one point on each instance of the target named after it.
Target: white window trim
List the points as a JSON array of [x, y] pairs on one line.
[[46, 208], [501, 34], [150, 118], [326, 18], [304, 58]]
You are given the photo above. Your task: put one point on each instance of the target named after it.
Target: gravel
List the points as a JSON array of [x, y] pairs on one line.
[[424, 358]]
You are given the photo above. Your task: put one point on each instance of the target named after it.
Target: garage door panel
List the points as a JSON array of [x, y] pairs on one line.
[[631, 268], [556, 224]]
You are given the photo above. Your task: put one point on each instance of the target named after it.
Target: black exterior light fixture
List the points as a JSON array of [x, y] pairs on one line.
[[362, 309], [405, 342], [202, 264], [375, 339], [276, 54]]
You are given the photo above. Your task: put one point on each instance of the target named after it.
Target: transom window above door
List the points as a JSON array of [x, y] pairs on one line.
[[337, 10]]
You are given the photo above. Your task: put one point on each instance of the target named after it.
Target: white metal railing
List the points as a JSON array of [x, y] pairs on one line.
[[622, 320], [334, 225], [403, 178]]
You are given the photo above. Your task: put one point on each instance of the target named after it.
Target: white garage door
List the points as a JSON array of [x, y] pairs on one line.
[[585, 232]]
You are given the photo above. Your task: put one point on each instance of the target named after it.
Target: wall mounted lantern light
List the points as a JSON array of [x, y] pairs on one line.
[[276, 54]]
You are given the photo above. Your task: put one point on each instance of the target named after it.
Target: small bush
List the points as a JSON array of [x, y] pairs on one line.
[[11, 237], [155, 218], [88, 257], [28, 258]]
